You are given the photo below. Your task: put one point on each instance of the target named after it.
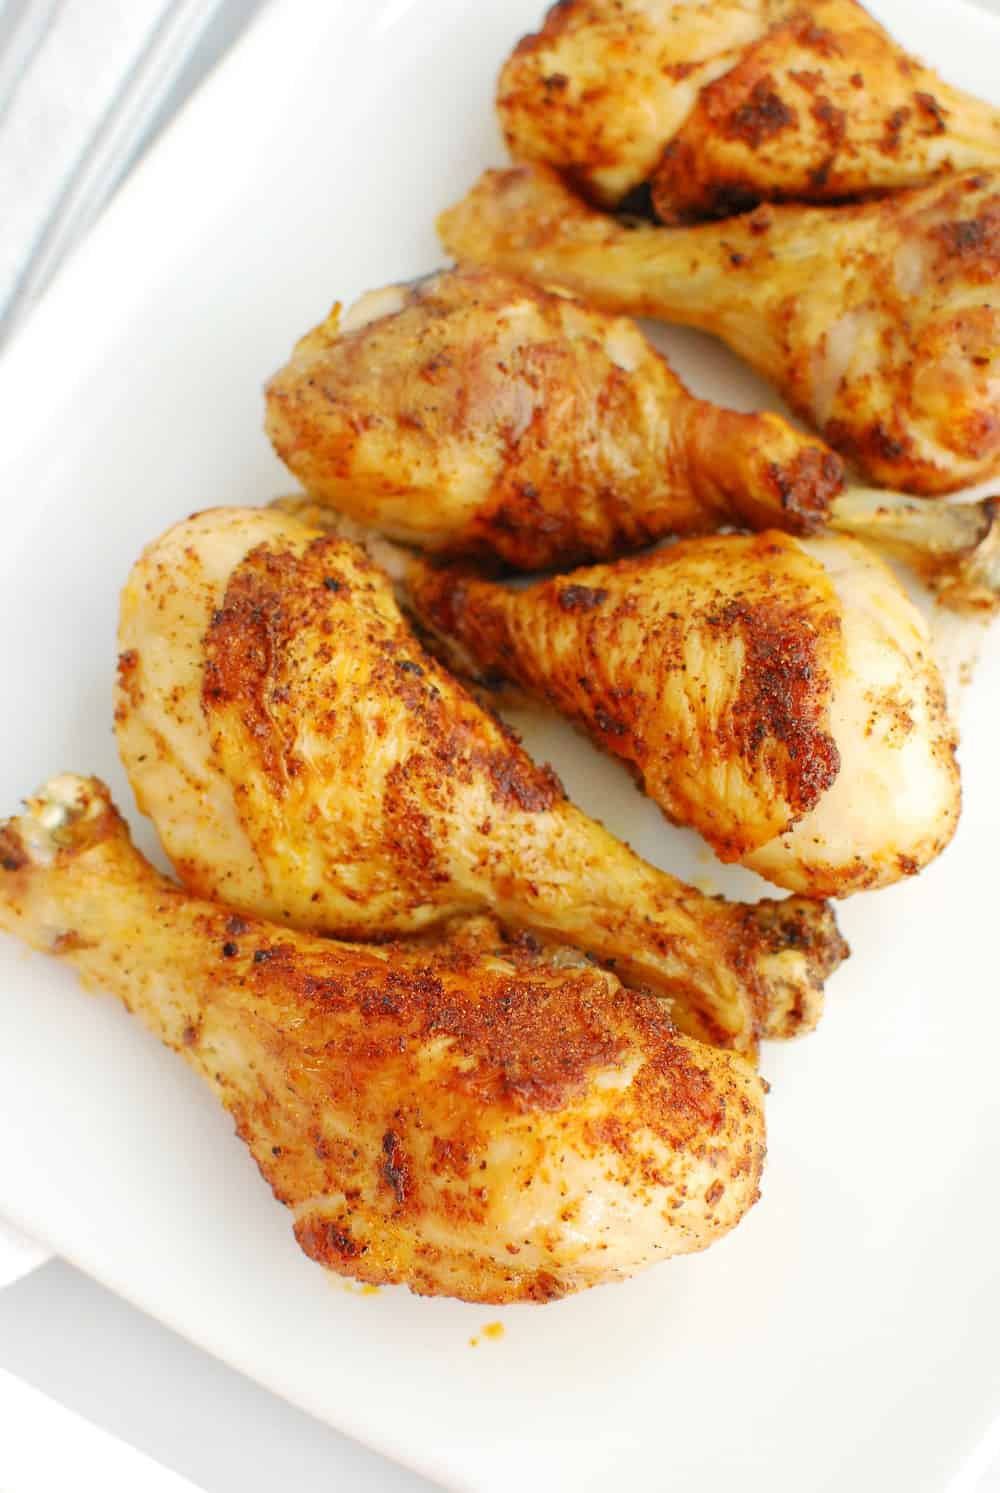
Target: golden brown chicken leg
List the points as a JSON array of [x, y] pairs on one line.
[[475, 415], [304, 759], [779, 695], [824, 107], [479, 415], [880, 323], [469, 1117]]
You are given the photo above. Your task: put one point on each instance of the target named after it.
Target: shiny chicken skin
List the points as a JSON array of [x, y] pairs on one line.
[[605, 84], [467, 1117], [824, 107], [776, 694], [880, 323], [475, 414], [304, 759]]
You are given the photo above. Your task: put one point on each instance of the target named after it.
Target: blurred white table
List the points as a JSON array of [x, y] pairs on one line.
[[120, 1370]]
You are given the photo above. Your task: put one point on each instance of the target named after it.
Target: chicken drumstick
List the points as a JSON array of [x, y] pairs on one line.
[[476, 414], [777, 694], [467, 1117], [305, 760]]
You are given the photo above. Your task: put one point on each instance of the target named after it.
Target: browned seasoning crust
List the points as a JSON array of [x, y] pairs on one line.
[[823, 108], [520, 1046], [303, 756], [468, 1115], [490, 418], [760, 117], [272, 599], [786, 928], [706, 667], [12, 852]]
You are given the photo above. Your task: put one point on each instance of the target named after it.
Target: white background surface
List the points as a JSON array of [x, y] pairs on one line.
[[125, 1371]]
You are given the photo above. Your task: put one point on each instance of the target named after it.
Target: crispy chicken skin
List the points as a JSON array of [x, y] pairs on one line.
[[304, 759], [476, 414], [824, 107], [602, 87], [467, 1117], [777, 695], [880, 323]]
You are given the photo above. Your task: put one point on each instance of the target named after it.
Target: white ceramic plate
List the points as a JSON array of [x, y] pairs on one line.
[[844, 1337]]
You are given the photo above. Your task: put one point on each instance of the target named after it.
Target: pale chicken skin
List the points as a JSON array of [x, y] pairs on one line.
[[953, 547], [468, 1117], [602, 87], [824, 107], [474, 414], [894, 805], [777, 695], [304, 759], [880, 323]]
